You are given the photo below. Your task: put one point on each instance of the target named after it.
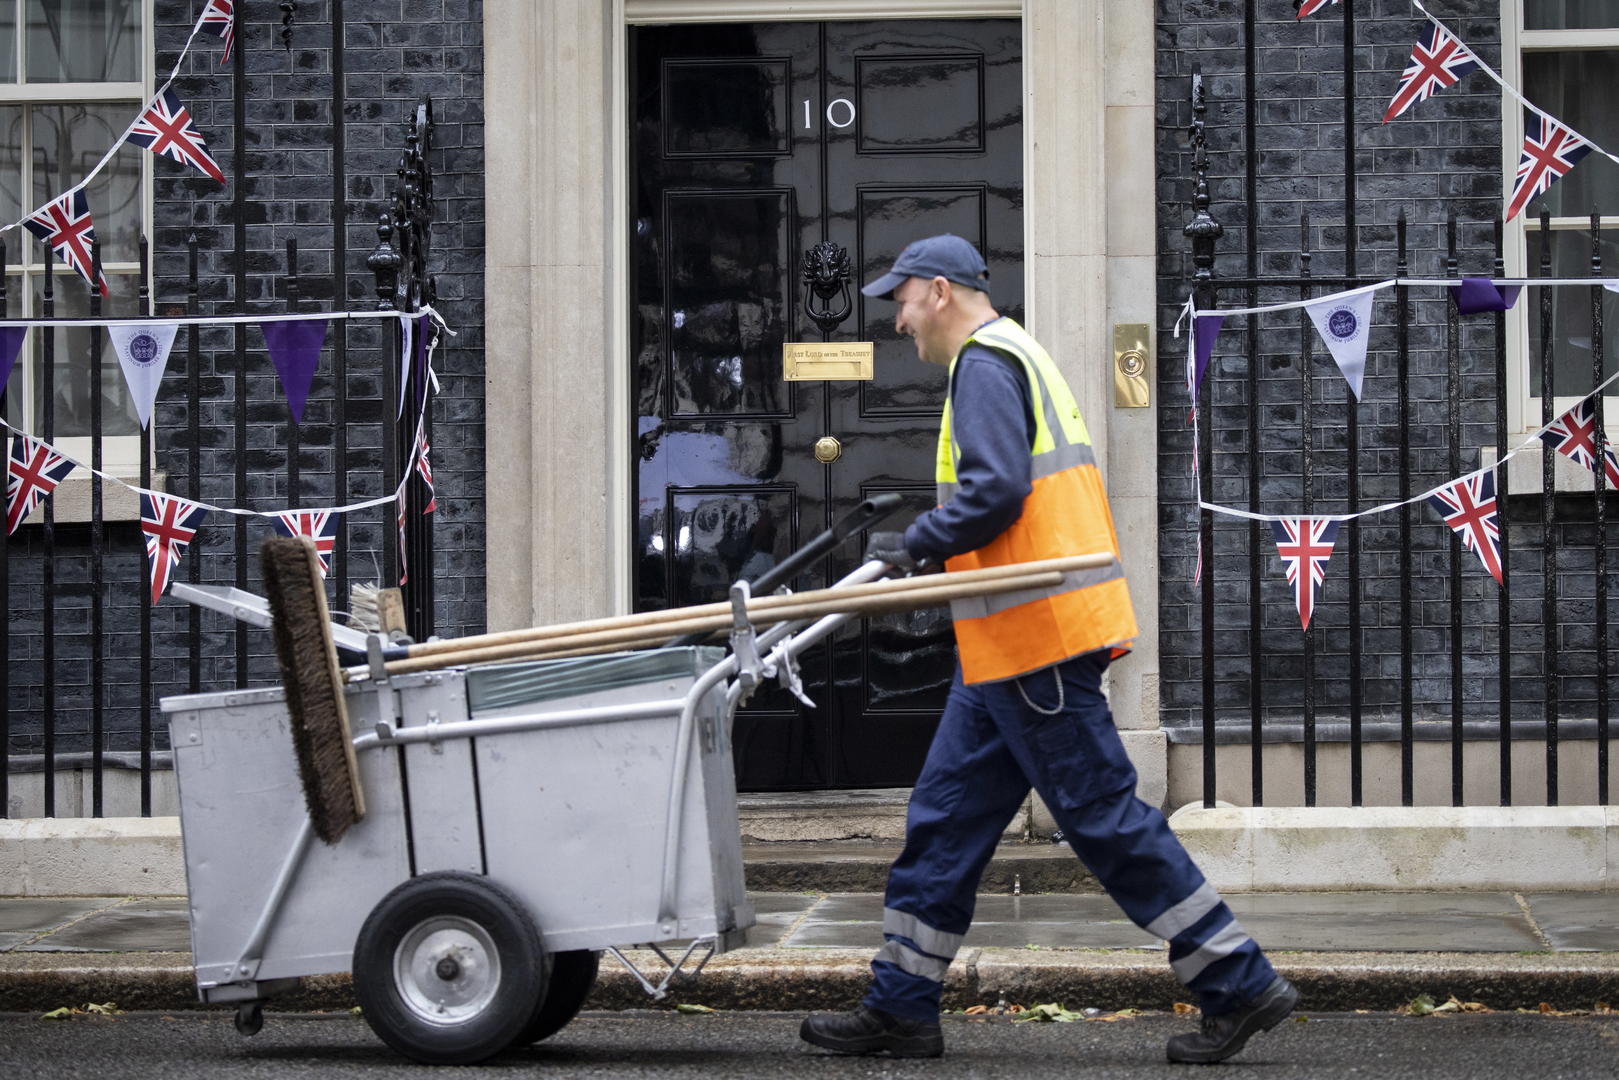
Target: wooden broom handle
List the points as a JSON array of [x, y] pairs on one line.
[[934, 591], [762, 604]]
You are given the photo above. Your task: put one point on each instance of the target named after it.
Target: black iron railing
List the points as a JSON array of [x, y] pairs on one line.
[[81, 681], [1412, 644]]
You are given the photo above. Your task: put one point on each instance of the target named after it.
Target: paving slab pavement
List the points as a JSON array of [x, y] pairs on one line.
[[811, 950]]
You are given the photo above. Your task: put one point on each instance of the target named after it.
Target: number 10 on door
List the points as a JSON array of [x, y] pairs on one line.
[[839, 113]]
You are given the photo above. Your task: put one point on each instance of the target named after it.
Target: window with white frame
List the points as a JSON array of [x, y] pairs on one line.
[[1564, 56], [73, 74]]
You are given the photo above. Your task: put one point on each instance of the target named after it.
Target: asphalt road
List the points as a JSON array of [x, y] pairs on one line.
[[721, 1046]]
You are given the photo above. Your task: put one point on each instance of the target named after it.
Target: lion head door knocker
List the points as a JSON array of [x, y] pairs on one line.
[[826, 272]]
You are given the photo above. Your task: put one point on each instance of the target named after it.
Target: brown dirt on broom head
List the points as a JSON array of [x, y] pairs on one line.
[[302, 650]]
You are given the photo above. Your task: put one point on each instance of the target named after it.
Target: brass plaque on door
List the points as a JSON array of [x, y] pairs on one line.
[[812, 361]]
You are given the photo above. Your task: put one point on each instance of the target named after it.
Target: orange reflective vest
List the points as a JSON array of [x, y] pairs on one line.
[[1066, 513]]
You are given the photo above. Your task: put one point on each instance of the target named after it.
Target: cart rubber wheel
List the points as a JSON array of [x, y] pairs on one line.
[[250, 1017], [449, 969], [573, 975]]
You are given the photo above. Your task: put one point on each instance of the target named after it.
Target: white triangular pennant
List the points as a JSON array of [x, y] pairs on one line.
[[1345, 324], [143, 353]]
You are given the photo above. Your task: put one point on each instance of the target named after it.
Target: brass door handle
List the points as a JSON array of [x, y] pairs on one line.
[[827, 449]]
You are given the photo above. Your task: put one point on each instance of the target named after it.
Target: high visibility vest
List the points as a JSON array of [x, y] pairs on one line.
[[1066, 513]]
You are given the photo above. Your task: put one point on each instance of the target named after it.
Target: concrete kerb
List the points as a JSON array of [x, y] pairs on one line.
[[812, 979], [1241, 849]]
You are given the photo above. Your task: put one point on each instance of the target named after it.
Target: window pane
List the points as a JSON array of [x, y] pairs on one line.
[[1569, 15], [8, 42], [71, 369], [1577, 88], [11, 207], [84, 41], [1571, 312], [68, 141]]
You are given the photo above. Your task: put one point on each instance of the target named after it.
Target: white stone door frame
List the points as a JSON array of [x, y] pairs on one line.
[[557, 317]]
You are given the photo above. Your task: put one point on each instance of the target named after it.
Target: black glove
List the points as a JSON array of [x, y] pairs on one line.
[[889, 547]]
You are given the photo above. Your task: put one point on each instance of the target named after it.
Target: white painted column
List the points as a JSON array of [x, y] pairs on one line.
[[553, 537]]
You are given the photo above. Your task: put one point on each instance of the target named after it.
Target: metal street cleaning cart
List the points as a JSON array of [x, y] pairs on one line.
[[519, 819]]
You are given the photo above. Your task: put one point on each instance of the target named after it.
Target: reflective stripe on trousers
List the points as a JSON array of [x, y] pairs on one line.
[[994, 741]]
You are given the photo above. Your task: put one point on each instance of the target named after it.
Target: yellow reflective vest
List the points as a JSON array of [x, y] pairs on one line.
[[1066, 513]]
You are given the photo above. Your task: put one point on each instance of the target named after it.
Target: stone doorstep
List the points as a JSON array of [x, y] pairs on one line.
[[1262, 849]]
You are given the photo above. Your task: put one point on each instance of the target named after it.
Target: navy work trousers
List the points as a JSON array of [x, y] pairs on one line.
[[1053, 731]]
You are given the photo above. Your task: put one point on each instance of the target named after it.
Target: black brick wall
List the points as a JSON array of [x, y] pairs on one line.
[[1441, 157], [394, 52]]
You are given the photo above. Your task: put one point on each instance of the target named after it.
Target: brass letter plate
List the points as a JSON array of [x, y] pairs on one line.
[[812, 361]]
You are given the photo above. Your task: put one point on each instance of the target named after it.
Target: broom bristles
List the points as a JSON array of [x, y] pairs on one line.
[[313, 682]]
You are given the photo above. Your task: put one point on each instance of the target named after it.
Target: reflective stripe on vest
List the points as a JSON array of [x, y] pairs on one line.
[[1065, 513]]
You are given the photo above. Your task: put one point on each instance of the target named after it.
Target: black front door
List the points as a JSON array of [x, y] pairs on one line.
[[752, 143]]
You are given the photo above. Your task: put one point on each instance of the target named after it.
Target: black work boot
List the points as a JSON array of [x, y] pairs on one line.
[[1218, 1037], [871, 1031]]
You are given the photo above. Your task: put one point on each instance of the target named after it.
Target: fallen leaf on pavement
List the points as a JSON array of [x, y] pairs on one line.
[[978, 1010], [1182, 1007], [1052, 1012], [692, 1009], [1421, 1005], [58, 1014]]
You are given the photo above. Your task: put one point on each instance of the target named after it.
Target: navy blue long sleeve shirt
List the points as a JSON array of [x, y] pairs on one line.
[[993, 421]]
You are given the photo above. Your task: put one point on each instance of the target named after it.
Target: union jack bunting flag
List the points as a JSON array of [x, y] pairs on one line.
[[317, 526], [1468, 506], [404, 570], [64, 226], [32, 473], [1305, 545], [1574, 435], [1438, 61], [1550, 150], [170, 524], [1310, 7], [165, 129], [425, 467], [219, 19]]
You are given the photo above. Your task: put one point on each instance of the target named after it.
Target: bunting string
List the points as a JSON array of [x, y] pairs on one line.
[[1508, 87], [212, 12], [1537, 436]]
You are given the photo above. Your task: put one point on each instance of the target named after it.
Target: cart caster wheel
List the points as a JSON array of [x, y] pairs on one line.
[[573, 975], [250, 1017], [449, 969]]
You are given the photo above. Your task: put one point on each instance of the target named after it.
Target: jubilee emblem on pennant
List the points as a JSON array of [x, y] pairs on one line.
[[219, 19], [143, 355], [32, 473], [1344, 324], [170, 524], [319, 527], [1469, 508], [1574, 435], [1437, 61], [1550, 150], [166, 130], [1305, 545], [64, 226]]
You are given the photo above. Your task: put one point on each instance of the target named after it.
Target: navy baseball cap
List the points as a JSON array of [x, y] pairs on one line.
[[946, 256]]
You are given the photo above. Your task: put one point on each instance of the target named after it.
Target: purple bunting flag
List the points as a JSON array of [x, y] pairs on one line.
[[1205, 329], [11, 339], [294, 347], [1477, 294]]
